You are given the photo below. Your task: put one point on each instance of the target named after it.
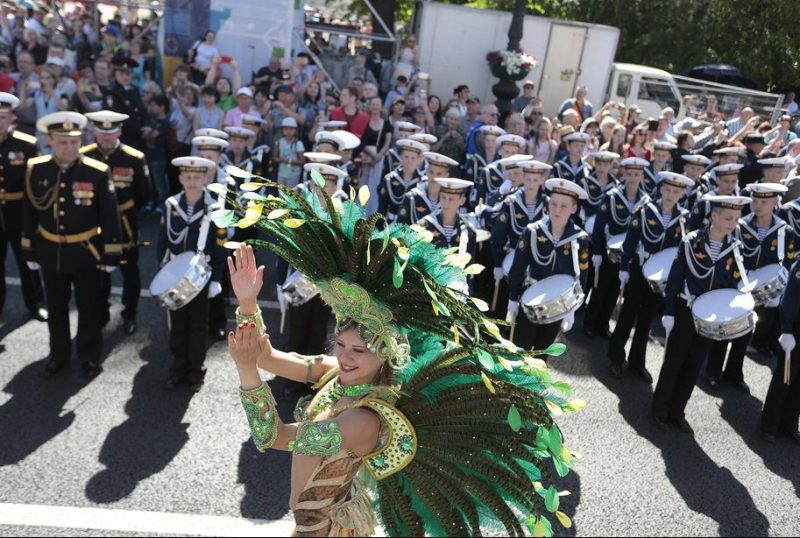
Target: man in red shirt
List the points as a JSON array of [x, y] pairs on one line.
[[6, 82], [357, 120]]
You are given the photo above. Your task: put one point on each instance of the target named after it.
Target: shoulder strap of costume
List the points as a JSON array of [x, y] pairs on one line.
[[400, 446]]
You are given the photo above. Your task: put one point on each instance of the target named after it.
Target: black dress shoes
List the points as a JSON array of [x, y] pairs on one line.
[[129, 326], [713, 382], [616, 371], [91, 369], [53, 367], [684, 426], [38, 313], [643, 374]]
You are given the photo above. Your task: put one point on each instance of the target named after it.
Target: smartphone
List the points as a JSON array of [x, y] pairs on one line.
[[653, 125], [34, 85], [225, 59]]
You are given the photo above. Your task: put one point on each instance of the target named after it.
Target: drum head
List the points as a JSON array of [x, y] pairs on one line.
[[171, 273], [547, 290], [482, 235], [658, 266], [615, 241], [723, 305], [508, 261], [764, 275], [589, 226]]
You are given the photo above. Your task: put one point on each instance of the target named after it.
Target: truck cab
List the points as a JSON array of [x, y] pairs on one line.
[[650, 88]]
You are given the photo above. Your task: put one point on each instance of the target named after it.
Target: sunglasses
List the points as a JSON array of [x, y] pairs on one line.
[[536, 113]]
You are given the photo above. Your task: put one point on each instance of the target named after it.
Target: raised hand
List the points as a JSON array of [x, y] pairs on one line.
[[246, 346], [246, 277]]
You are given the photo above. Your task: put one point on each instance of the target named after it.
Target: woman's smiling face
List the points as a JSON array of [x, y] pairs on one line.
[[357, 364]]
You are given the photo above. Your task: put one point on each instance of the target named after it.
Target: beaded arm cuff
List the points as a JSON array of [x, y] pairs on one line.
[[254, 318], [317, 439], [309, 360], [262, 415]]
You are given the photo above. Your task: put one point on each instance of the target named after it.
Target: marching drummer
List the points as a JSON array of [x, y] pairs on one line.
[[693, 167], [612, 221], [448, 227], [765, 240], [132, 185], [237, 152], [727, 178], [392, 159], [257, 145], [773, 169], [573, 166], [708, 259], [349, 143], [490, 187], [517, 210], [661, 162], [328, 142], [423, 199], [782, 405], [790, 212], [599, 182], [551, 246], [476, 163], [727, 155], [210, 131], [402, 179], [656, 226], [187, 227]]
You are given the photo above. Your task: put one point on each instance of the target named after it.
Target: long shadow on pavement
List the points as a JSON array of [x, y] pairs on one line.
[[149, 439], [705, 487]]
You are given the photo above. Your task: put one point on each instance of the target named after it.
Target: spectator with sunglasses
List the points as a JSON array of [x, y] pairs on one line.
[[528, 95], [489, 116]]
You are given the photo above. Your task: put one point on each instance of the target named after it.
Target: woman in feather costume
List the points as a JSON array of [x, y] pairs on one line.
[[424, 416]]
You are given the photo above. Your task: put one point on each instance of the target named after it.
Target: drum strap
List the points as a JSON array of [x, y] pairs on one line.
[[737, 255], [463, 239], [781, 244], [575, 262], [202, 237]]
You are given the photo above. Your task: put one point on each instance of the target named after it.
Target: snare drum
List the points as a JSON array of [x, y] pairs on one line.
[[724, 314], [615, 247], [298, 289], [474, 222], [181, 280], [508, 261], [656, 269], [589, 226], [552, 299], [767, 283]]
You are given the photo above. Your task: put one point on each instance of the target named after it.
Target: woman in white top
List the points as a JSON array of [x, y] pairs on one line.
[[204, 53], [541, 144], [407, 59]]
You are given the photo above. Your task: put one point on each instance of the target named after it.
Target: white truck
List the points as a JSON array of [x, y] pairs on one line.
[[453, 42]]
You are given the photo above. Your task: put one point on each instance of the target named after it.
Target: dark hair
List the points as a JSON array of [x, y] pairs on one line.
[[352, 90], [183, 67], [439, 114], [460, 88], [402, 78], [212, 91], [682, 139], [162, 101]]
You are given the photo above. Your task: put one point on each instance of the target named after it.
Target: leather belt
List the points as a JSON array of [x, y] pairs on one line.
[[70, 238], [126, 206], [11, 196]]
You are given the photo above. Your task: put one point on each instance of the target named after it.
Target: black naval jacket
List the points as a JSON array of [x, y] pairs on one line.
[[563, 169], [790, 303], [511, 222], [417, 205], [614, 216], [777, 247], [393, 190], [15, 150], [647, 234]]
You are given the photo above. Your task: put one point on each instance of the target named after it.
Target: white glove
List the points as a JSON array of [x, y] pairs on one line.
[[231, 232], [597, 261], [506, 187], [774, 303], [568, 322], [281, 298], [787, 342], [668, 322], [498, 274], [214, 289], [33, 266], [624, 277], [110, 268], [513, 309]]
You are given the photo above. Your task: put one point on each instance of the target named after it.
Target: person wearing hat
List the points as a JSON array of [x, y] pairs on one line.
[[790, 213], [781, 411], [70, 229], [773, 169], [528, 94], [514, 213], [126, 99], [287, 154], [257, 145], [476, 163], [754, 147], [656, 226], [448, 227], [765, 240], [16, 148], [132, 184], [496, 172], [187, 227], [726, 155], [239, 155], [213, 149], [573, 166], [553, 245], [708, 259], [423, 199], [661, 161], [244, 105], [350, 142], [727, 177], [693, 167], [392, 192], [402, 130], [598, 183]]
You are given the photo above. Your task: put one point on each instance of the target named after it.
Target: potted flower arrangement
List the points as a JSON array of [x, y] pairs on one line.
[[510, 64]]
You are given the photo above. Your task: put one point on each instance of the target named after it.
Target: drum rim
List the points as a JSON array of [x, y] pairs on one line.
[[720, 292]]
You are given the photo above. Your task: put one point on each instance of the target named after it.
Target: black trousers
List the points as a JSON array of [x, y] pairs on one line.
[[638, 310], [188, 339], [483, 285], [89, 300], [733, 368], [768, 328], [32, 291], [131, 285], [308, 327], [686, 351], [782, 405], [604, 297], [534, 337]]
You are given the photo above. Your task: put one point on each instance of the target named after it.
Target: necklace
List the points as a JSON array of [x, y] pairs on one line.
[[336, 392]]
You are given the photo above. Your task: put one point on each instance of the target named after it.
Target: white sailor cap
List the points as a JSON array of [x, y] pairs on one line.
[[8, 101], [514, 160], [767, 190], [533, 167], [216, 133], [328, 137], [349, 140], [412, 145], [566, 187], [209, 143], [774, 162], [451, 185], [321, 157], [511, 140], [64, 123], [425, 138], [604, 155], [106, 121], [332, 125], [329, 173], [252, 121], [726, 202], [437, 159], [730, 169], [492, 130], [407, 127], [730, 150], [664, 146], [634, 163], [674, 179], [193, 164], [577, 137], [234, 132], [696, 159]]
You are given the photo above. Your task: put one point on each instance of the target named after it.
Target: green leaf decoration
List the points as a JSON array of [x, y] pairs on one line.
[[254, 196], [223, 218], [514, 419], [485, 359], [563, 386], [397, 274], [554, 441], [318, 179], [555, 350], [551, 499]]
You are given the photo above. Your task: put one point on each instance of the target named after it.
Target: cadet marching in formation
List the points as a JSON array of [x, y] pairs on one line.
[[651, 242]]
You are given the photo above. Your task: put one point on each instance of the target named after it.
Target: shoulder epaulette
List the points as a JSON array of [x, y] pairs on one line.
[[33, 161], [25, 137], [93, 163], [88, 147], [133, 152]]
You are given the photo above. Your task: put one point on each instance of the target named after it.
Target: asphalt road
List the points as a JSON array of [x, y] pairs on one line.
[[120, 456]]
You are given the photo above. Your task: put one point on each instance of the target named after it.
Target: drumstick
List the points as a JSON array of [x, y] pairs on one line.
[[787, 367], [496, 293], [596, 277], [513, 328], [283, 319], [664, 355]]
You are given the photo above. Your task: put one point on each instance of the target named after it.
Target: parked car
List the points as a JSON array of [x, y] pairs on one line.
[[723, 74]]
